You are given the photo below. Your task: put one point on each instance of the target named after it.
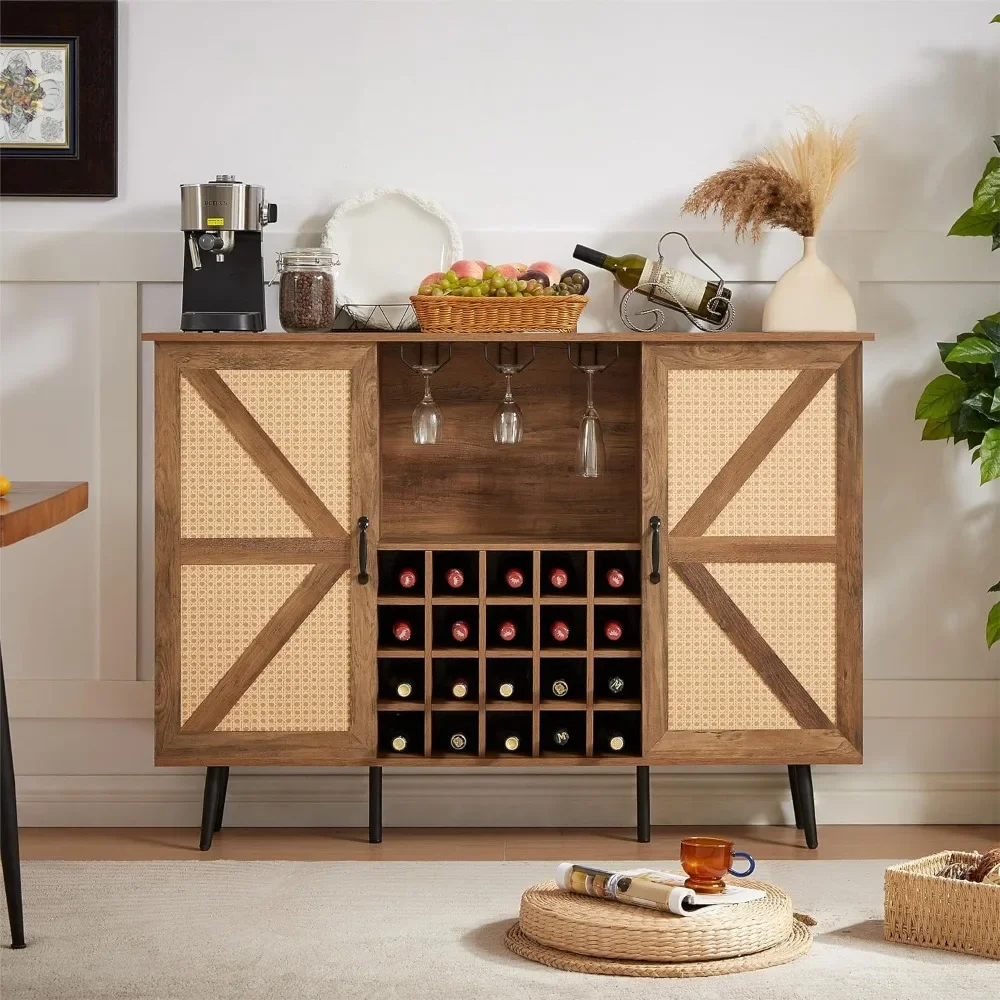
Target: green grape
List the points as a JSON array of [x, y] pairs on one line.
[[498, 281], [450, 277], [475, 291], [424, 290], [501, 291], [521, 285], [511, 286], [489, 271], [436, 291], [518, 295]]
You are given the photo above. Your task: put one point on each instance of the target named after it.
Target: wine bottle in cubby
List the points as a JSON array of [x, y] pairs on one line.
[[508, 680], [460, 688], [617, 679], [564, 679], [616, 574], [400, 627], [401, 732], [560, 738], [617, 627], [563, 627], [508, 627], [564, 574], [458, 740], [508, 573], [508, 733], [401, 680], [455, 627], [560, 687], [617, 733], [455, 680], [456, 574], [400, 573], [563, 732], [455, 732]]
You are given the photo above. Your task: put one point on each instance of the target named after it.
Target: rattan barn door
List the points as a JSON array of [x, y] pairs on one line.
[[752, 634], [266, 459]]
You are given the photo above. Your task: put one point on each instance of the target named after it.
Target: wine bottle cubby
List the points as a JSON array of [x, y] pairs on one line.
[[507, 650]]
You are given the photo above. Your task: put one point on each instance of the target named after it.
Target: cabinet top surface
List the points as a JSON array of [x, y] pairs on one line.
[[536, 336]]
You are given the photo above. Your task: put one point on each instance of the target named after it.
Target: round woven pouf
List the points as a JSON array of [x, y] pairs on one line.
[[580, 933]]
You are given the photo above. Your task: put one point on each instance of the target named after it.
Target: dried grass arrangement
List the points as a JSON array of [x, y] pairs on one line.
[[787, 186]]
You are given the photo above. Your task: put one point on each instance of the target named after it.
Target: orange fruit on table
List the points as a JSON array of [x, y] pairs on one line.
[[4, 486]]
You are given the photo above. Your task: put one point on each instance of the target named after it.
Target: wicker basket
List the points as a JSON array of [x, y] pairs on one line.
[[924, 909], [457, 314]]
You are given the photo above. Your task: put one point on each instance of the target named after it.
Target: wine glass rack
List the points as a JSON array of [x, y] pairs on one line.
[[510, 686]]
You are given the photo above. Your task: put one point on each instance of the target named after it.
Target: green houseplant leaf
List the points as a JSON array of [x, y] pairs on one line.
[[942, 397], [986, 196], [973, 223], [995, 406], [982, 402], [936, 429], [989, 457], [974, 350], [989, 327], [993, 625]]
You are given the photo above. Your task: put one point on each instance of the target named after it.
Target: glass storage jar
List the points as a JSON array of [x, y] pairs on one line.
[[306, 299]]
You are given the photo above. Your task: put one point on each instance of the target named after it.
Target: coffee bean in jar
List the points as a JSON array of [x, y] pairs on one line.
[[306, 294]]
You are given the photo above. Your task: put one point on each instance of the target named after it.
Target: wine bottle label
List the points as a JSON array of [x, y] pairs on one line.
[[558, 578], [402, 631], [404, 689], [512, 743], [560, 737], [616, 743], [399, 743], [407, 578], [507, 631], [666, 285], [506, 689], [454, 578], [616, 685], [560, 688], [514, 578], [560, 631], [615, 578], [460, 631], [458, 741], [612, 631], [460, 689]]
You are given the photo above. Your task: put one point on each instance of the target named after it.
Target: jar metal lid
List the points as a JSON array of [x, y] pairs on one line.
[[319, 257]]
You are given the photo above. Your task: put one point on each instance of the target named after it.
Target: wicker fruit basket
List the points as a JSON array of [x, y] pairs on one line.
[[447, 314], [924, 909]]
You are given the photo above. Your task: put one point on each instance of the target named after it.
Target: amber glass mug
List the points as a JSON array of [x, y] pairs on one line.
[[706, 861]]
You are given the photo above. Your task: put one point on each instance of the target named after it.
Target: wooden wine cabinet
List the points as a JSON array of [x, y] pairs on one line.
[[732, 500]]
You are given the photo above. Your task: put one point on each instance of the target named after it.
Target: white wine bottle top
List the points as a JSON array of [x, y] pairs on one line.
[[404, 689], [560, 688], [506, 689], [399, 743], [511, 743], [458, 741], [460, 688], [616, 742]]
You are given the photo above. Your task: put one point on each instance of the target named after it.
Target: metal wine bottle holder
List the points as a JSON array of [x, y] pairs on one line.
[[717, 304]]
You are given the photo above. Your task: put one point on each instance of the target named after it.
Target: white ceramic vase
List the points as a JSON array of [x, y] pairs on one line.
[[809, 298]]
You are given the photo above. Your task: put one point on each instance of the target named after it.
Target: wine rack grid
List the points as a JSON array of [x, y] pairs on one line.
[[484, 708]]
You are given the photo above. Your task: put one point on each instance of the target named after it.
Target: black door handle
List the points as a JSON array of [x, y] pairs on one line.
[[362, 549], [654, 527]]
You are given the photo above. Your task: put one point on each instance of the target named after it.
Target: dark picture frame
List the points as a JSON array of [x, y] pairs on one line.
[[86, 166]]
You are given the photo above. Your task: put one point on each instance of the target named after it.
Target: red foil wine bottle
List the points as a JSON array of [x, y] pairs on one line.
[[560, 631], [558, 577], [402, 631], [615, 577], [454, 578], [514, 578], [507, 631], [612, 631], [460, 631], [407, 578]]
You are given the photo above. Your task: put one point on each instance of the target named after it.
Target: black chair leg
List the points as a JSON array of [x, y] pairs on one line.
[[222, 799], [9, 850], [794, 785], [807, 806], [642, 804], [375, 805], [210, 806]]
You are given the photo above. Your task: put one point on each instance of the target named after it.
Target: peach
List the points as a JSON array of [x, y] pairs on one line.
[[483, 264], [546, 267], [521, 268], [432, 279], [509, 271], [468, 269]]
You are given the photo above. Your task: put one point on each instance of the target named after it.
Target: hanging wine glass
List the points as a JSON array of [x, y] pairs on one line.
[[591, 456], [508, 421], [427, 417]]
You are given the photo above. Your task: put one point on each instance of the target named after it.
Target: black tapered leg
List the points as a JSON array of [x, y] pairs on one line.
[[222, 799], [210, 807], [642, 804], [794, 784], [375, 805], [9, 850], [807, 806]]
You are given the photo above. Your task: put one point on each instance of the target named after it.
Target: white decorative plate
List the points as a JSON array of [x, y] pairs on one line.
[[388, 239]]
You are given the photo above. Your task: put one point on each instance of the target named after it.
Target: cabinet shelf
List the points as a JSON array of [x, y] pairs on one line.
[[402, 705]]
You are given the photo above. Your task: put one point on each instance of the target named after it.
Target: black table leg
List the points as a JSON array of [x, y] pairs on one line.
[[375, 805], [9, 850], [794, 784], [222, 799], [211, 805], [642, 804], [807, 806]]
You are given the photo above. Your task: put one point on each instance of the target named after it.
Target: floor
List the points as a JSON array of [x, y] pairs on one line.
[[778, 843]]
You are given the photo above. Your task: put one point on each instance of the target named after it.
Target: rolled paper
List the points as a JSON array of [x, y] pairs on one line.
[[637, 890], [454, 578], [514, 578], [407, 578], [402, 631], [615, 578], [460, 631]]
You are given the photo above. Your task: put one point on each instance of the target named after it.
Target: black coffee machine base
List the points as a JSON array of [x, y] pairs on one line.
[[216, 322]]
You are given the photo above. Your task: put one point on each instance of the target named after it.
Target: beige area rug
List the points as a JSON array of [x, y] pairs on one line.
[[228, 930]]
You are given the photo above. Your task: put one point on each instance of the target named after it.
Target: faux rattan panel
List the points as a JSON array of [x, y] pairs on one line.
[[306, 687], [223, 493], [709, 683], [793, 491], [307, 414], [222, 609]]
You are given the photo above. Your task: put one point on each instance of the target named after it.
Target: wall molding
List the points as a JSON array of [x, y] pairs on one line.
[[494, 798]]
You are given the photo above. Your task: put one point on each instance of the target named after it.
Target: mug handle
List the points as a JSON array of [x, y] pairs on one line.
[[749, 871]]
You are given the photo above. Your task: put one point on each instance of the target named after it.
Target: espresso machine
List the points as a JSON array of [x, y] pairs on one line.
[[223, 222]]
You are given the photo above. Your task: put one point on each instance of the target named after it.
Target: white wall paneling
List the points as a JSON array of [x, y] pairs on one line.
[[81, 279]]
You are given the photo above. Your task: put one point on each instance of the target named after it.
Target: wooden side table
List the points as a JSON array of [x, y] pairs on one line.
[[28, 509]]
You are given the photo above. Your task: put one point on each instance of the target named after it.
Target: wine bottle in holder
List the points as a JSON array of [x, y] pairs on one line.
[[460, 630], [615, 578], [558, 578], [507, 631], [402, 687], [455, 578], [560, 737], [402, 630], [510, 741], [407, 578], [616, 685], [613, 630], [559, 631], [399, 742], [458, 741], [560, 687], [610, 741], [459, 688], [514, 578]]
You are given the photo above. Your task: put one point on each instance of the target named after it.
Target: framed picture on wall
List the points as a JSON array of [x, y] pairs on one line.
[[59, 98]]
